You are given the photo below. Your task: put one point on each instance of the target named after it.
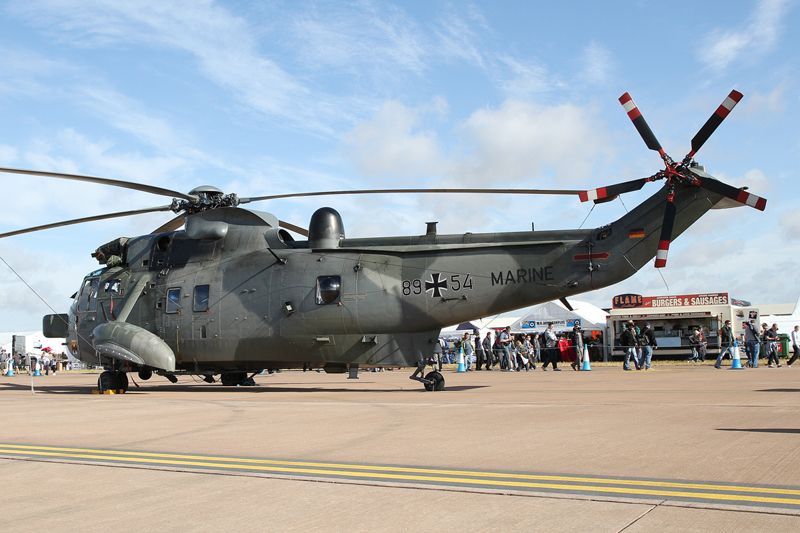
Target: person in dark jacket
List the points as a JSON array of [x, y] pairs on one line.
[[478, 351], [629, 341], [725, 343], [771, 339], [648, 342], [751, 343], [577, 345], [551, 348], [487, 348], [498, 352]]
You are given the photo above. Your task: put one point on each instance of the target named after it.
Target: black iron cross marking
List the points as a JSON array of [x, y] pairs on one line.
[[436, 285]]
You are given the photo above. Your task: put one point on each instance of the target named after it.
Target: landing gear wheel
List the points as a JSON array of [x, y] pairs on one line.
[[108, 381], [232, 379], [437, 379], [122, 381]]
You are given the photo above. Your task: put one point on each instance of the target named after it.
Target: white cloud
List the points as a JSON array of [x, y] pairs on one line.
[[598, 64], [522, 140], [352, 36], [223, 45], [22, 72], [760, 105], [124, 114], [391, 144], [458, 39], [8, 155], [527, 77], [707, 251], [755, 180], [517, 141], [758, 36], [790, 224]]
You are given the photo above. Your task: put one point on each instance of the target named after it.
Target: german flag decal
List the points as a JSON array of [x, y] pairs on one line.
[[636, 234]]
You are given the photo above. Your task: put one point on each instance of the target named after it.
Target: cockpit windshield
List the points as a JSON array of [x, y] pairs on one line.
[[88, 298]]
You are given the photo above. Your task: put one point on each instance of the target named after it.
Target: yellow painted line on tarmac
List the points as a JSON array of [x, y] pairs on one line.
[[633, 487], [541, 477]]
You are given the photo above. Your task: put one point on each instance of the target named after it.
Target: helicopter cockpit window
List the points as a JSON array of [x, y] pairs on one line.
[[200, 299], [328, 289], [113, 286], [173, 301], [88, 301]]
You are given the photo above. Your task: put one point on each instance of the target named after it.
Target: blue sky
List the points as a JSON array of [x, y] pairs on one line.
[[273, 97]]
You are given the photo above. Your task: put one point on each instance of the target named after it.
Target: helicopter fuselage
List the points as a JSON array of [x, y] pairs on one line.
[[234, 292]]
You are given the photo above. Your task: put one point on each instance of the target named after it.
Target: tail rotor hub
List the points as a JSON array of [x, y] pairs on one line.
[[674, 172]]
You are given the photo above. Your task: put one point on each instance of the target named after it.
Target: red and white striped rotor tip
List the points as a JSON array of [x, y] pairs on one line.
[[729, 103], [594, 194], [752, 200], [661, 254], [630, 106]]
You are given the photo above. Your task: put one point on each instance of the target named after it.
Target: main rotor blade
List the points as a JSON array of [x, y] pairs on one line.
[[172, 225], [292, 227], [740, 195], [103, 181], [641, 125], [414, 191], [666, 235], [613, 190], [712, 123], [86, 219]]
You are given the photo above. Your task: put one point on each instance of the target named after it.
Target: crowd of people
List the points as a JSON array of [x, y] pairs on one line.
[[512, 352], [639, 345], [517, 352], [45, 363], [764, 342]]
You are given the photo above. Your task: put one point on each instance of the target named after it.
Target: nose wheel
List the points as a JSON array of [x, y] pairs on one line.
[[112, 381]]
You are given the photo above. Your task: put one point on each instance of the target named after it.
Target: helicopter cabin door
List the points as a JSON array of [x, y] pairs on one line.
[[174, 308], [182, 262], [316, 293], [204, 309]]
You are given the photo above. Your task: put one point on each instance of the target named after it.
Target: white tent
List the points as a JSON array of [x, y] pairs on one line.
[[485, 324], [586, 315], [34, 342], [481, 326], [786, 323]]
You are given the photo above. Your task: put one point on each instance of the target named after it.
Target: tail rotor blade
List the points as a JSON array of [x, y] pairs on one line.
[[666, 235], [612, 190], [740, 195], [641, 125], [712, 123]]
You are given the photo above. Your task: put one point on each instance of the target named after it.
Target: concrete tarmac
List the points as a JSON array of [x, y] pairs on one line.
[[688, 426]]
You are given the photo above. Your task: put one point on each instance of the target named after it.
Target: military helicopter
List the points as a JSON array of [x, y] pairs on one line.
[[233, 293]]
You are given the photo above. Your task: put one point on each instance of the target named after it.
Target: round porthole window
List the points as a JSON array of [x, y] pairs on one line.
[[328, 289]]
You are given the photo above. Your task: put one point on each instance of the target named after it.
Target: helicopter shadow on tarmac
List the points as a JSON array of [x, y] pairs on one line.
[[191, 387], [45, 389], [762, 430]]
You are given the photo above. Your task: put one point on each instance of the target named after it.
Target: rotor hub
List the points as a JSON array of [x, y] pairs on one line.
[[208, 198]]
